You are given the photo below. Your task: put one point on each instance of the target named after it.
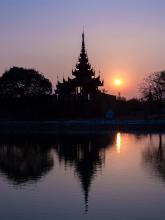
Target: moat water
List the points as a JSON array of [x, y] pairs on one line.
[[104, 175]]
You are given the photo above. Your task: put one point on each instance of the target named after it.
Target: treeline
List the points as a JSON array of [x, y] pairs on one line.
[[25, 94]]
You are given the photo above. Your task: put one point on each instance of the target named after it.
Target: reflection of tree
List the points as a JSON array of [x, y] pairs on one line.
[[86, 153], [155, 158], [26, 159], [24, 163]]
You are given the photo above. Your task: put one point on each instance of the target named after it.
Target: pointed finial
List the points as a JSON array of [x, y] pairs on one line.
[[83, 31], [83, 37], [83, 40]]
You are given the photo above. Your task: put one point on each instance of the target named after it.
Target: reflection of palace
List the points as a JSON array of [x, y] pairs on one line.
[[154, 157], [86, 153], [24, 160]]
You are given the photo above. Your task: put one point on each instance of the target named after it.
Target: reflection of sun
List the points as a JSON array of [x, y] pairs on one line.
[[118, 143], [118, 82]]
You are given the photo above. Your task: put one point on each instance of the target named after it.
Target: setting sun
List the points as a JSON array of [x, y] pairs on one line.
[[118, 82]]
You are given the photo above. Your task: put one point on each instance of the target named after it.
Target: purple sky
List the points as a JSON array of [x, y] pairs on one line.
[[124, 38]]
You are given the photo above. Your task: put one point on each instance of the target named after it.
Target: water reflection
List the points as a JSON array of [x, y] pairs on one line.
[[25, 160], [118, 143], [154, 157], [122, 190], [86, 153]]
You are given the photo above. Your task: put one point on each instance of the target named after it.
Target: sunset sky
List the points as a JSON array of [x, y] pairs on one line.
[[125, 38]]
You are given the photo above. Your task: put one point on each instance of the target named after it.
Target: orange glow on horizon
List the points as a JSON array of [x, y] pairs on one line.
[[120, 80]]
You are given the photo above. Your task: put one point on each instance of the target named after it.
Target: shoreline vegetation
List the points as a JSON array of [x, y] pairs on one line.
[[26, 95]]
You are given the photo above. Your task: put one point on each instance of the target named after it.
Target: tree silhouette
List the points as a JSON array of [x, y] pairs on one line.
[[19, 82], [153, 87], [25, 158]]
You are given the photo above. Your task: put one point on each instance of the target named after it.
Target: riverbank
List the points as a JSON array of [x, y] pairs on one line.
[[79, 125]]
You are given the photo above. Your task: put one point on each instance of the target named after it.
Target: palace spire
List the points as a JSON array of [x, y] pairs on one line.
[[84, 81], [83, 43]]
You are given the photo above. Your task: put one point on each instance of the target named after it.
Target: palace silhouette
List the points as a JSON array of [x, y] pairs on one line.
[[25, 94], [85, 84], [82, 95]]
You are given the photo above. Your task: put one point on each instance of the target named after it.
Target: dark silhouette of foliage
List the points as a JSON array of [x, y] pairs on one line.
[[153, 87], [19, 82]]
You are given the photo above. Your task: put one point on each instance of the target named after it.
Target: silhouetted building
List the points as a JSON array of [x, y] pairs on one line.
[[81, 95], [85, 83]]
